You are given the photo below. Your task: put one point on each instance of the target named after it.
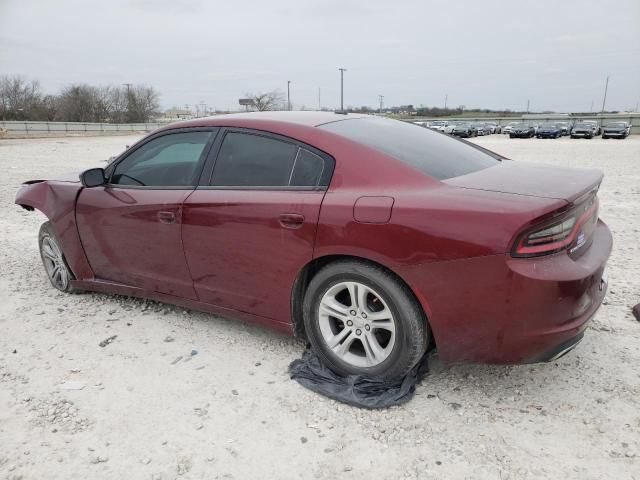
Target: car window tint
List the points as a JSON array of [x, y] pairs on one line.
[[167, 161], [247, 160], [430, 152], [307, 169]]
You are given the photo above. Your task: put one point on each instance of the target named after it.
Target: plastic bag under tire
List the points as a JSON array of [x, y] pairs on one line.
[[412, 333], [356, 390]]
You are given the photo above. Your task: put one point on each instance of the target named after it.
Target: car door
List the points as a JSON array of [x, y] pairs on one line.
[[249, 230], [131, 227]]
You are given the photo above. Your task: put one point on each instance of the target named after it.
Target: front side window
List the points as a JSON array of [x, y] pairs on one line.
[[169, 161], [251, 160]]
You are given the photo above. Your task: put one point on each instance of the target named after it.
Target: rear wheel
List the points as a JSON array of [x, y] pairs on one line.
[[55, 265], [360, 319]]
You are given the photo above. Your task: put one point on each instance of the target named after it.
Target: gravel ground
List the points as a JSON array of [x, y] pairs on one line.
[[180, 394]]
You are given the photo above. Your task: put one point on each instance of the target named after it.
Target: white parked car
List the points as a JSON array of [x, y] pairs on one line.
[[509, 126], [442, 126]]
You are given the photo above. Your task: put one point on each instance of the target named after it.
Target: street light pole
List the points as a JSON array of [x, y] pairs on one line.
[[606, 87], [288, 95], [381, 98], [342, 70]]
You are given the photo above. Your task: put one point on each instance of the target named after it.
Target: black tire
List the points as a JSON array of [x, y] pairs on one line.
[[47, 238], [512, 136], [411, 334], [573, 136], [604, 137]]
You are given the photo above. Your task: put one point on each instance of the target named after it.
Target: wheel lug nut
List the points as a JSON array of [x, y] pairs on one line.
[[352, 312], [358, 332], [367, 328], [349, 323], [364, 315]]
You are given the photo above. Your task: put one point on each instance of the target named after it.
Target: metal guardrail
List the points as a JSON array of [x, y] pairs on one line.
[[19, 129], [42, 129]]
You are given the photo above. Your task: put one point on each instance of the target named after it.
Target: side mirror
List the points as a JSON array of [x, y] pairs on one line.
[[94, 177]]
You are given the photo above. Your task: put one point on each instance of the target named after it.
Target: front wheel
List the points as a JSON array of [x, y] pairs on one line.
[[55, 264], [361, 319]]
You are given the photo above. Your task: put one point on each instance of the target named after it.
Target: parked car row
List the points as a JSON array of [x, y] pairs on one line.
[[464, 129], [579, 129]]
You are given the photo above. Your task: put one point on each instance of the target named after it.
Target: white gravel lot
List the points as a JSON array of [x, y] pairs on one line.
[[71, 409]]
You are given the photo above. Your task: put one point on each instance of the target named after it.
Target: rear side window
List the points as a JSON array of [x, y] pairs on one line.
[[247, 160], [253, 160], [307, 169], [430, 152]]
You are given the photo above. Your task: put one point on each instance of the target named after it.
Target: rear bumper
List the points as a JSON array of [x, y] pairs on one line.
[[499, 309], [558, 351]]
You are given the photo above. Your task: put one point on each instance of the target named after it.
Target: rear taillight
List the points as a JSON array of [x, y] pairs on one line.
[[571, 229]]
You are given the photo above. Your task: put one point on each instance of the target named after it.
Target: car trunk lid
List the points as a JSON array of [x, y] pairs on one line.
[[523, 178]]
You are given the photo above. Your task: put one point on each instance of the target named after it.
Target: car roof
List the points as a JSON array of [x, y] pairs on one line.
[[304, 118]]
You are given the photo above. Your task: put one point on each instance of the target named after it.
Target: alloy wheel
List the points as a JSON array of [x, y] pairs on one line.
[[54, 263], [357, 324]]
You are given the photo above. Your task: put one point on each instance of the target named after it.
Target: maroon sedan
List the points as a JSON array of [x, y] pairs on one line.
[[372, 237]]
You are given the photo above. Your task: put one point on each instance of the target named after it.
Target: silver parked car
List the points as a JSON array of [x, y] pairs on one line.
[[616, 130]]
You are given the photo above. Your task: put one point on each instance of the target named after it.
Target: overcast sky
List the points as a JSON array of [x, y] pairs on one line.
[[486, 53]]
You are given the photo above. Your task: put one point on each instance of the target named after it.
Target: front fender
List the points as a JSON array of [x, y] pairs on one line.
[[57, 200]]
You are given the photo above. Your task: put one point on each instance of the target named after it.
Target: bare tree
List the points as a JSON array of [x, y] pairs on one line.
[[267, 101], [142, 103], [77, 103], [23, 100], [19, 98]]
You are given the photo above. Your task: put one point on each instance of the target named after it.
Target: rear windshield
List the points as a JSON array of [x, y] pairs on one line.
[[428, 151]]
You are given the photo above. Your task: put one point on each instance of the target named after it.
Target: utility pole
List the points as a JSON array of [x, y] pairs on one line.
[[527, 106], [591, 108], [446, 97], [319, 104], [128, 85], [288, 95], [342, 70], [381, 98], [606, 87]]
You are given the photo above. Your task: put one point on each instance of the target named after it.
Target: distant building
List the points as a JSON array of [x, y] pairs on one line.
[[175, 114]]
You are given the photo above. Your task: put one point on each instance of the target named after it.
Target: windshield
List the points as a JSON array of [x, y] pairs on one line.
[[428, 151], [617, 124]]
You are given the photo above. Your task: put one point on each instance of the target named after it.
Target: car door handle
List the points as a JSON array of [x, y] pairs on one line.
[[291, 220], [167, 217]]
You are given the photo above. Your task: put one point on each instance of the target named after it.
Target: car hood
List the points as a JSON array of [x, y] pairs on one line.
[[522, 178], [72, 177]]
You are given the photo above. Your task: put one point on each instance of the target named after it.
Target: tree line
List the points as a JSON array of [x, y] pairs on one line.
[[22, 99]]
